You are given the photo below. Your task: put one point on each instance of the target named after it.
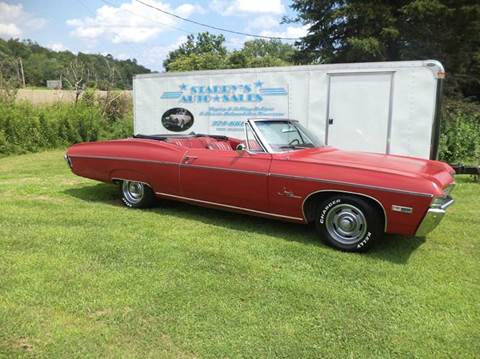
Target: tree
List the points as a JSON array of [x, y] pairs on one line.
[[41, 64], [9, 80], [205, 51], [263, 53], [76, 74], [370, 30]]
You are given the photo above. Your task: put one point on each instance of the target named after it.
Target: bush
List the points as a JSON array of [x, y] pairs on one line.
[[28, 128], [460, 133]]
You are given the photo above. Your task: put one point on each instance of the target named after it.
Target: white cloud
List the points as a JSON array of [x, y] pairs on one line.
[[122, 56], [242, 7], [57, 46], [263, 22], [9, 30], [15, 21], [153, 57], [290, 31], [130, 22], [236, 42]]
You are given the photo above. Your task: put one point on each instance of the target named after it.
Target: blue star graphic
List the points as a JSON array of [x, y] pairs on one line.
[[183, 87], [258, 84]]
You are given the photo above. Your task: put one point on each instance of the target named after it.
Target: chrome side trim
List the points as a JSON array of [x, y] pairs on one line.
[[402, 209], [228, 206], [126, 159], [355, 193], [224, 169], [385, 189], [278, 175]]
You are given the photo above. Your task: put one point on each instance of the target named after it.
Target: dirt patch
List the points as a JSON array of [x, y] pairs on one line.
[[24, 344]]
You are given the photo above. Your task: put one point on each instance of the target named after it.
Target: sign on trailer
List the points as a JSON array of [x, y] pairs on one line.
[[384, 107]]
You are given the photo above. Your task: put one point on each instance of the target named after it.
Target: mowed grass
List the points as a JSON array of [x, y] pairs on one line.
[[83, 276]]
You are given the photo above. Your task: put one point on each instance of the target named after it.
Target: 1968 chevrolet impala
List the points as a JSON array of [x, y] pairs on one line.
[[281, 171]]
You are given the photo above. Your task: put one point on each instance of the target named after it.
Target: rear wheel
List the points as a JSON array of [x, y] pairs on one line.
[[349, 223], [136, 194]]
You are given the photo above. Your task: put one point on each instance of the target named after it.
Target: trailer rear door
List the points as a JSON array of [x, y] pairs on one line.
[[359, 111]]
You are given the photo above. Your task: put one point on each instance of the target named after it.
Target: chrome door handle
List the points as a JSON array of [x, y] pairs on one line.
[[189, 159]]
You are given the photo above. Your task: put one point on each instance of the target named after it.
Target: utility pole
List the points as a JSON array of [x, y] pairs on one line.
[[21, 70]]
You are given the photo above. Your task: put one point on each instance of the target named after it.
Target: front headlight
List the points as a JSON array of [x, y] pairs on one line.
[[448, 189], [437, 202], [444, 201]]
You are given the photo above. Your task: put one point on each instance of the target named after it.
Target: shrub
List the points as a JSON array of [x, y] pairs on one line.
[[28, 128], [460, 133]]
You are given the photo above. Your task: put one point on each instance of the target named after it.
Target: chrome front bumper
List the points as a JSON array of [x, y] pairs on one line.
[[433, 217]]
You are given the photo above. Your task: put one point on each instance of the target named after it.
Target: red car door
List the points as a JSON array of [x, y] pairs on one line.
[[226, 177]]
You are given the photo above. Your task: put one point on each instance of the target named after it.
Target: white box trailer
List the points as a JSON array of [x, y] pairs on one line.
[[383, 107]]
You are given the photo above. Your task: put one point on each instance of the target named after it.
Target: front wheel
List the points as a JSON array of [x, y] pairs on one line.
[[349, 223], [136, 194]]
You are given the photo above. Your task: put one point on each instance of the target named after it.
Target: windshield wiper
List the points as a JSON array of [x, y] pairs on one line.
[[297, 147]]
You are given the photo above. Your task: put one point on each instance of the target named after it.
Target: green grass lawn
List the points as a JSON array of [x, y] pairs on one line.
[[83, 276]]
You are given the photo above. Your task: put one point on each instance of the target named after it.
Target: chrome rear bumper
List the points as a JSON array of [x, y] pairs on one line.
[[433, 217]]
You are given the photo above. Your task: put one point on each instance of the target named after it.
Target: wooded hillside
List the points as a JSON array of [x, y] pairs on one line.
[[26, 61]]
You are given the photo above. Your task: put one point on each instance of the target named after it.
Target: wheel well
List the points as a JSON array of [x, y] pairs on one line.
[[118, 181], [312, 201]]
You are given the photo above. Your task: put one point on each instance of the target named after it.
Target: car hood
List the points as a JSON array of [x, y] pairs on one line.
[[438, 172]]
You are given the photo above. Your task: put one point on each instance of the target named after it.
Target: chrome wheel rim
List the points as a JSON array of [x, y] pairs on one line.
[[346, 224], [133, 191]]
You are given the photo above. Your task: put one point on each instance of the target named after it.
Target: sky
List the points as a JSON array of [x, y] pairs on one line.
[[129, 29]]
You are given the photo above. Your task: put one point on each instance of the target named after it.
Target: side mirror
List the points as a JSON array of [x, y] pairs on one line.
[[240, 148]]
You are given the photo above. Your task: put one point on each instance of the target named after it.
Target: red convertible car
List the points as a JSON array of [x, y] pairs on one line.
[[280, 170]]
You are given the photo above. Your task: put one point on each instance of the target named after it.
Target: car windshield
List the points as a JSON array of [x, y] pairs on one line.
[[286, 135]]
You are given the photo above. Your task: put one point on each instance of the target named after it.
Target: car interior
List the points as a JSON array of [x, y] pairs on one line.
[[205, 142]]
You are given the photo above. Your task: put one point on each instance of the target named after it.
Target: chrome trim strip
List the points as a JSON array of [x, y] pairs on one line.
[[229, 206], [355, 193], [259, 136], [386, 189], [126, 159], [402, 209], [247, 124], [223, 169]]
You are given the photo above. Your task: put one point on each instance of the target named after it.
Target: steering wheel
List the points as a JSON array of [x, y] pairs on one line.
[[292, 142]]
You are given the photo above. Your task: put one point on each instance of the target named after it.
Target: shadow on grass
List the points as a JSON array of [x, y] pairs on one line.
[[392, 248]]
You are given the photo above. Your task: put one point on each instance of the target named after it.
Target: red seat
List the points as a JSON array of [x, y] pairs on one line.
[[220, 145], [178, 141], [201, 142]]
